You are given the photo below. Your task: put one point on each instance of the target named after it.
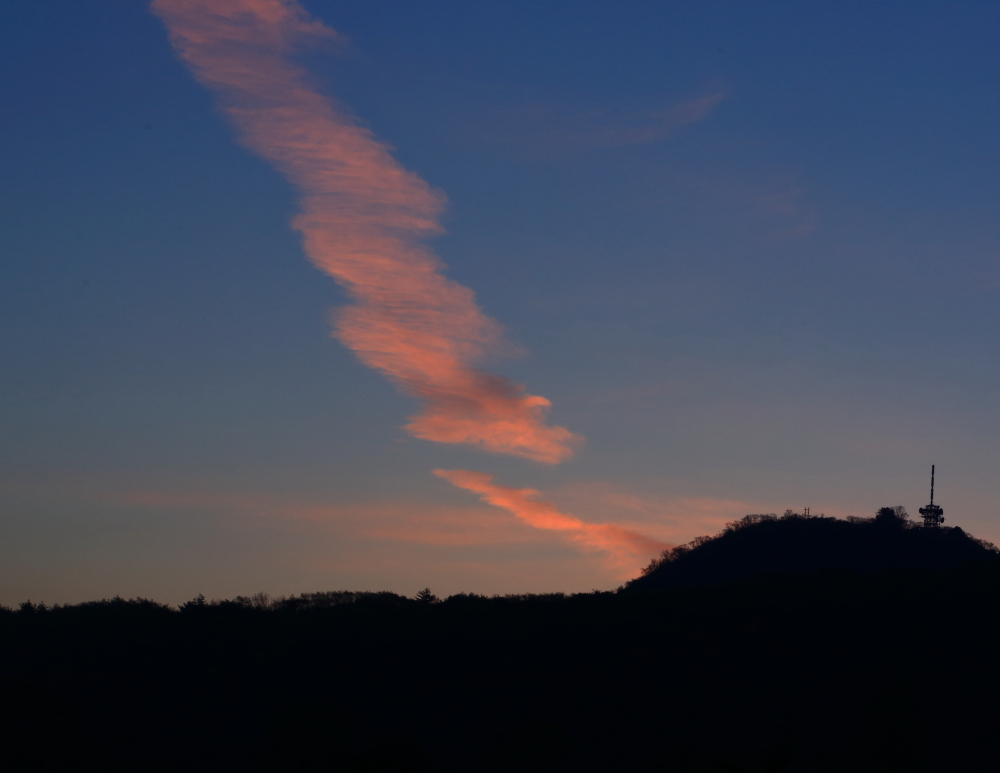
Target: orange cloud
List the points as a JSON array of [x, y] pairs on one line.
[[623, 545], [363, 221]]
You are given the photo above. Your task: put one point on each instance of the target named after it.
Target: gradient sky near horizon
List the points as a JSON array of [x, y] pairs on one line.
[[750, 252]]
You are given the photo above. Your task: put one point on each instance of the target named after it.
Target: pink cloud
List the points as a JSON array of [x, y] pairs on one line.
[[363, 221], [623, 545]]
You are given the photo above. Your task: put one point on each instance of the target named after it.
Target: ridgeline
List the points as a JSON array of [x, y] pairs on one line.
[[793, 644], [805, 544]]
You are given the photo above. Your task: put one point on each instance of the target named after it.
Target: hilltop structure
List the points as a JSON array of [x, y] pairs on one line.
[[803, 543], [933, 515]]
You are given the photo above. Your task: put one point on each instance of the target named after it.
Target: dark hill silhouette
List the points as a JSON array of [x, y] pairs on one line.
[[795, 543], [787, 671]]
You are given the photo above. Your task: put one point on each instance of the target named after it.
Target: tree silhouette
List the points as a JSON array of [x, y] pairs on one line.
[[893, 516], [426, 597]]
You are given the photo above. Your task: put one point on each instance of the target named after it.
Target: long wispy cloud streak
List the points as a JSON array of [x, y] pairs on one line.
[[623, 545], [363, 220]]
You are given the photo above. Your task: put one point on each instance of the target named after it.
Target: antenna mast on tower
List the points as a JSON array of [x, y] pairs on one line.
[[933, 515]]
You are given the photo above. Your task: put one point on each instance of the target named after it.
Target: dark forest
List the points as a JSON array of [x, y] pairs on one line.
[[786, 643]]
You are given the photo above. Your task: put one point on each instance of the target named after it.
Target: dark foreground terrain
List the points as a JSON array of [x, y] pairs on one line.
[[861, 669]]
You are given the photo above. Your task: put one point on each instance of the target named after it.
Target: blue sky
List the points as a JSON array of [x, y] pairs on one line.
[[787, 299]]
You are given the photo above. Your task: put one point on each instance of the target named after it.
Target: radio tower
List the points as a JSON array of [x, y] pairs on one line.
[[932, 514]]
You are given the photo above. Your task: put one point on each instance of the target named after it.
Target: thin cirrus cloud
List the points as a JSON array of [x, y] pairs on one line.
[[623, 546], [550, 128], [364, 219], [385, 520], [407, 522], [651, 127]]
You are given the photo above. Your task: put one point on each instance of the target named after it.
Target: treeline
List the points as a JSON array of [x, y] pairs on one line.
[[305, 602], [828, 671]]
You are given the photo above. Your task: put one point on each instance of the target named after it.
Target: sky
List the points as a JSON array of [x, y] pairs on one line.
[[485, 297]]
